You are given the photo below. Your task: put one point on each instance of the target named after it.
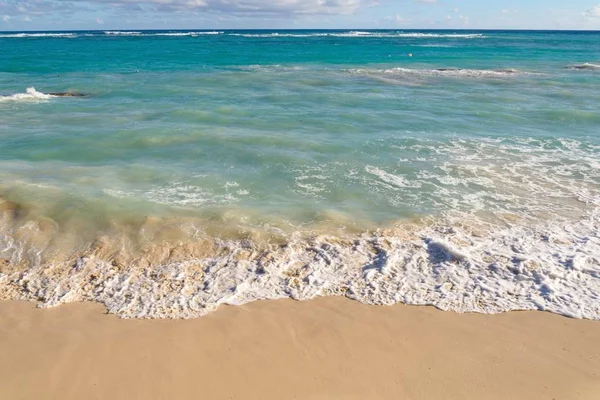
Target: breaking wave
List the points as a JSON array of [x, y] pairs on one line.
[[515, 226], [363, 34], [123, 33], [290, 34], [585, 66], [29, 95], [409, 75], [38, 35], [144, 33], [553, 266]]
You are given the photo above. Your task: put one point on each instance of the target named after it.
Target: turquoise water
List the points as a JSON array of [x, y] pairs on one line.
[[484, 142]]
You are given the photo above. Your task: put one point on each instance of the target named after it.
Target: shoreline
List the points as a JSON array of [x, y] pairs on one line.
[[453, 265], [327, 348]]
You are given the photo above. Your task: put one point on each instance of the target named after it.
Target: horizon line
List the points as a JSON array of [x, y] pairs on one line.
[[299, 29]]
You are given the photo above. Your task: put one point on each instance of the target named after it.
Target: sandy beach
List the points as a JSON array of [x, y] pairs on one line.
[[328, 348]]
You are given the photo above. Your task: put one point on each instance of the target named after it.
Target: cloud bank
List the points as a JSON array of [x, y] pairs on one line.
[[593, 12], [231, 7]]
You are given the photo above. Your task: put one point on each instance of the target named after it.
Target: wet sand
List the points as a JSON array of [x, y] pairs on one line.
[[328, 348]]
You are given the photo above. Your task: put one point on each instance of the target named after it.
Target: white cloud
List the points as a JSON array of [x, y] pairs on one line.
[[396, 18], [242, 7], [6, 18], [464, 19], [99, 21], [230, 8], [593, 12], [27, 19]]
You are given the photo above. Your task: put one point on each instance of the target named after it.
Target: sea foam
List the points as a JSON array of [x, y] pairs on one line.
[[38, 35], [30, 95], [363, 34], [585, 66], [548, 266], [439, 72]]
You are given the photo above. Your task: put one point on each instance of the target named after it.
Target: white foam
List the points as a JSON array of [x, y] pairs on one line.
[[439, 72], [434, 45], [517, 227], [199, 33], [141, 33], [585, 66], [274, 34], [180, 194], [30, 95], [123, 33], [442, 35], [550, 266], [271, 68], [391, 179], [362, 34], [35, 35]]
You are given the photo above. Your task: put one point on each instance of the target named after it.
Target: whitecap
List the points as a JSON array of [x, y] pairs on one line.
[[122, 33], [395, 74], [585, 66], [362, 34], [30, 95], [198, 33], [551, 266], [38, 35]]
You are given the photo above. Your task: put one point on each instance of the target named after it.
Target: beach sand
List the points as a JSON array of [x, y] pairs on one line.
[[328, 348]]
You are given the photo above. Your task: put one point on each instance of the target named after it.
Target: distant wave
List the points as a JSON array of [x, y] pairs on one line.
[[348, 34], [186, 33], [33, 35], [434, 45], [30, 94], [139, 33], [585, 66], [122, 33], [443, 35], [364, 34], [439, 72], [271, 68]]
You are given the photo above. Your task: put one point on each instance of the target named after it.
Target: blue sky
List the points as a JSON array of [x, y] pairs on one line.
[[279, 14]]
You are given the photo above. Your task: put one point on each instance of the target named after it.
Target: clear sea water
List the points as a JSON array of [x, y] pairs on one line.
[[453, 168]]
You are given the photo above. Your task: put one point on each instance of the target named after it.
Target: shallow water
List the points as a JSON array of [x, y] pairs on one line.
[[458, 169]]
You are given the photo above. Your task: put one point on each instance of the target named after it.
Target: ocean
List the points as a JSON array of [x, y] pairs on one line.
[[459, 169]]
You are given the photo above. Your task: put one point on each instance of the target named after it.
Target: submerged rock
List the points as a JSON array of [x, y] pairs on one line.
[[68, 94]]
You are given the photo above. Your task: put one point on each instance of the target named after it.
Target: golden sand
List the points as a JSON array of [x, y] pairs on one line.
[[328, 348]]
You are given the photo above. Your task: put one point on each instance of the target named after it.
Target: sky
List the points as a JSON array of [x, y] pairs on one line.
[[22, 15]]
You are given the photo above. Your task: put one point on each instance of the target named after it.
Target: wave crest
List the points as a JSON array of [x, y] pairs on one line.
[[449, 264], [585, 66], [38, 35], [408, 75], [29, 95]]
